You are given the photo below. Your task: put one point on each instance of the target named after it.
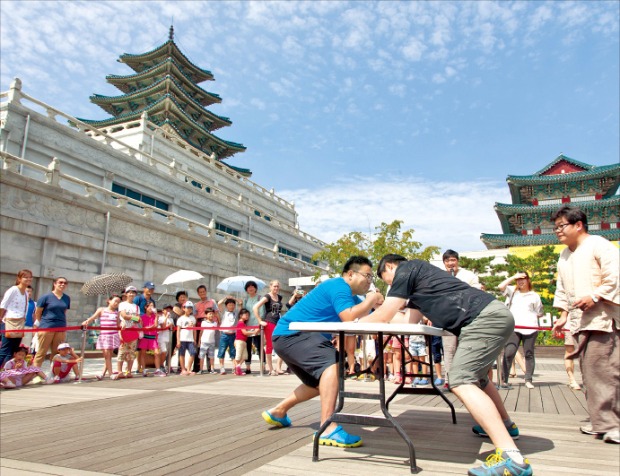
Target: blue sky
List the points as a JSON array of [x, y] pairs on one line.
[[359, 112]]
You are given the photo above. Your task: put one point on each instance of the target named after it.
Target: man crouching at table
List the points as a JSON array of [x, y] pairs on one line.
[[483, 326], [312, 356]]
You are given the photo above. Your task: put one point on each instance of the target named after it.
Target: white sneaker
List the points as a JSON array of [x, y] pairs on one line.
[[529, 385], [612, 437], [222, 371], [8, 384]]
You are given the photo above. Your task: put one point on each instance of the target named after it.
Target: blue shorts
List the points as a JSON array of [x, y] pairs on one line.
[[187, 347]]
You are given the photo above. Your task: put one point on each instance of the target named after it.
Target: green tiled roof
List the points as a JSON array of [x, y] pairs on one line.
[[121, 81], [511, 209], [107, 102], [492, 241], [593, 172], [132, 58], [155, 108]]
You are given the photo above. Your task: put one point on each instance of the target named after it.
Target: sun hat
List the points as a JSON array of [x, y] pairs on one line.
[[64, 345]]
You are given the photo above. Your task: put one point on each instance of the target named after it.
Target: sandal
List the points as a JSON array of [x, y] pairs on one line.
[[574, 385], [114, 376], [275, 421], [273, 373], [341, 439]]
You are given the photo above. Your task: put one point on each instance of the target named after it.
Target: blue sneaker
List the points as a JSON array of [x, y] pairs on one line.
[[513, 431], [341, 439], [439, 382], [416, 381], [423, 381], [275, 421], [499, 464]]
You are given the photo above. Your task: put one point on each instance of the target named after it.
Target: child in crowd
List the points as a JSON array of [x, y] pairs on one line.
[[417, 348], [186, 338], [129, 333], [108, 340], [63, 362], [207, 341], [241, 337], [17, 372], [165, 323], [227, 337], [149, 339]]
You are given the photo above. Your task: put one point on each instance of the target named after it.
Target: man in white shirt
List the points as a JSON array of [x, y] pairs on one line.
[[587, 289]]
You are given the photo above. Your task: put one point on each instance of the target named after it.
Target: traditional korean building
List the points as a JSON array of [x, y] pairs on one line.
[[164, 89], [145, 192], [527, 220]]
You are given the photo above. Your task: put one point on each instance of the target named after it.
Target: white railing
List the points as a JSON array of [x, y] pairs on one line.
[[53, 176], [15, 94]]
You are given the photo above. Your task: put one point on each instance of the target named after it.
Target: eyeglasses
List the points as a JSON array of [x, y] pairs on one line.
[[368, 276], [62, 282], [561, 227]]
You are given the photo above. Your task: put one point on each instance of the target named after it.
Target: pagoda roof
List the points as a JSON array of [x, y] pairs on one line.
[[133, 82], [144, 97], [166, 110], [579, 172], [494, 241], [509, 208], [143, 61], [505, 210]]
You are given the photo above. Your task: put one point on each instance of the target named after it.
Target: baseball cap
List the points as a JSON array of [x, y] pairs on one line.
[[149, 284], [131, 288], [188, 304], [64, 345]]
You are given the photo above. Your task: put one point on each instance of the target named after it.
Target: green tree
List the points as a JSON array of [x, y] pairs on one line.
[[388, 239]]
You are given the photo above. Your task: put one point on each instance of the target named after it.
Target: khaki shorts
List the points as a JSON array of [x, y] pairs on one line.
[[241, 350], [480, 343], [569, 339]]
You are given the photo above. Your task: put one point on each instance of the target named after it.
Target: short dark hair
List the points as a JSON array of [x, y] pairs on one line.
[[180, 293], [229, 300], [244, 311], [202, 286], [572, 215], [450, 254], [391, 259], [354, 262], [250, 283]]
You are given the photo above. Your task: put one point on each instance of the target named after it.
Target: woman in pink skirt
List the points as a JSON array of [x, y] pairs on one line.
[[149, 340], [108, 339]]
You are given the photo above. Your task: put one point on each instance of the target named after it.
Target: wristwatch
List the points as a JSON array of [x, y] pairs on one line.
[[595, 298]]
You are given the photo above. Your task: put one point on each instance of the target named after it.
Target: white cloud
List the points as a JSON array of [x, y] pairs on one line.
[[445, 214], [413, 49]]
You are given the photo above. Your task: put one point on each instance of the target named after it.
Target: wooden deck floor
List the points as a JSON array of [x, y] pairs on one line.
[[211, 425]]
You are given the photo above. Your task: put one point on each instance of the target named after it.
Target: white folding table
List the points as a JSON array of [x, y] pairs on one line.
[[380, 329]]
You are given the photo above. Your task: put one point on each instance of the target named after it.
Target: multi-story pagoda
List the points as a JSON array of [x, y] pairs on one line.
[[165, 89], [527, 221]]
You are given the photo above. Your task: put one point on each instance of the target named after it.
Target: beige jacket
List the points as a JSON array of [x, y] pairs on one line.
[[591, 269]]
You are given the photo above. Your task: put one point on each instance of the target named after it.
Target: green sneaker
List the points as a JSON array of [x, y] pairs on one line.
[[499, 464], [513, 431]]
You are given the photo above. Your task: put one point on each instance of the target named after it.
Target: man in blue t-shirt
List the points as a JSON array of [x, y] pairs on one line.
[[311, 355], [145, 298]]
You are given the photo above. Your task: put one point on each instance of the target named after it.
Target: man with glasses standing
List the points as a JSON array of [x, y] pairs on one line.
[[311, 355], [587, 291]]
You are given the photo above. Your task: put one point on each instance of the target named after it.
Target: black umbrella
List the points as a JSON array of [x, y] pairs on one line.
[[106, 284]]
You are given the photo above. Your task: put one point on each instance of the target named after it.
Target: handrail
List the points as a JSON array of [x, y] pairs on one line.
[[53, 175]]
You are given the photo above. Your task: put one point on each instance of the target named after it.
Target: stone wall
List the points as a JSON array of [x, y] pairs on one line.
[[55, 232]]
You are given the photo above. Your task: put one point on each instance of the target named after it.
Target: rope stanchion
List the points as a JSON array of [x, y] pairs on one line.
[[81, 366], [262, 351]]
